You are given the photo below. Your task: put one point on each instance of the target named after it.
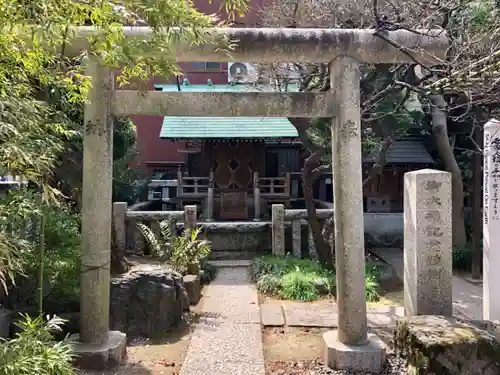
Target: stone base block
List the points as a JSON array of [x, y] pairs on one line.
[[192, 284], [368, 357], [447, 345], [100, 356]]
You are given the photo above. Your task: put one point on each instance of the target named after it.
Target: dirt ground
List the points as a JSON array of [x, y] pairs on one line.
[[299, 351], [162, 355]]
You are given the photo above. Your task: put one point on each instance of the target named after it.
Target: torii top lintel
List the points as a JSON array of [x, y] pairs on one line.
[[269, 45]]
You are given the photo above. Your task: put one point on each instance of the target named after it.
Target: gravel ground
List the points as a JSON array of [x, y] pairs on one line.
[[395, 366]]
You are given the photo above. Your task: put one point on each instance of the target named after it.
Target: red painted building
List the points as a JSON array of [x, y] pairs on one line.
[[155, 154]]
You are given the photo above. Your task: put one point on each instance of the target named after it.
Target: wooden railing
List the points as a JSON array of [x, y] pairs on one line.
[[271, 187], [192, 186]]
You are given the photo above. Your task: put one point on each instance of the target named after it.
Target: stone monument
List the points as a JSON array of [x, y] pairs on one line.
[[427, 243], [491, 221]]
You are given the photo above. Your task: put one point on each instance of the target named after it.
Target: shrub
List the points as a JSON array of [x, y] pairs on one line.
[[371, 284], [182, 252], [282, 265], [34, 351], [302, 279], [188, 250], [61, 236], [62, 251], [160, 243], [268, 284], [297, 285]]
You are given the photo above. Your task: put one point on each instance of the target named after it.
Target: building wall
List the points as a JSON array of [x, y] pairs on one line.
[[155, 152]]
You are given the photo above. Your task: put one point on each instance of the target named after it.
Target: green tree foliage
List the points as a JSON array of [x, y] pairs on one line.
[[42, 91]]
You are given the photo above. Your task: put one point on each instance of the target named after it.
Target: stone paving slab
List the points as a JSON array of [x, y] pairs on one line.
[[238, 339], [227, 367], [271, 315], [310, 314], [227, 340], [233, 300], [244, 312], [297, 314]]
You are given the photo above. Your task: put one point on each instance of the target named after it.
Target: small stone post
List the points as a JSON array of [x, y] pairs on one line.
[[120, 225], [491, 221], [349, 348], [210, 198], [311, 244], [278, 229], [296, 238], [96, 346], [427, 243], [190, 214], [256, 196]]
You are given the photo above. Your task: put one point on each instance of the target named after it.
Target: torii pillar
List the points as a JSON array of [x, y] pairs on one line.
[[96, 347], [350, 347]]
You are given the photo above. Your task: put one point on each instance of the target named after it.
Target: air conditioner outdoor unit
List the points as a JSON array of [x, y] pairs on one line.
[[240, 72]]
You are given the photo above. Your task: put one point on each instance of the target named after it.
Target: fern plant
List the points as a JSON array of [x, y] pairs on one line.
[[160, 243], [188, 251]]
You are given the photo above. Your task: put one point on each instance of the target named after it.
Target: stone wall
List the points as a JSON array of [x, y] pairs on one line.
[[381, 230]]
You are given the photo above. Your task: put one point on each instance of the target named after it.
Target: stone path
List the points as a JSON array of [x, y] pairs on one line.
[[467, 297], [227, 340]]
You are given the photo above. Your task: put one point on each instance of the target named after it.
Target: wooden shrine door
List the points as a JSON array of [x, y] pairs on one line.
[[233, 166], [233, 177]]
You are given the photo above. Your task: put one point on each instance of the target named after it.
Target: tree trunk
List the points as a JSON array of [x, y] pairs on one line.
[[325, 255], [310, 172], [119, 264], [440, 132]]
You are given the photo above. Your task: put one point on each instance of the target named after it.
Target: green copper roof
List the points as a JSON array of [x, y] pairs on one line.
[[210, 87], [187, 127], [227, 127]]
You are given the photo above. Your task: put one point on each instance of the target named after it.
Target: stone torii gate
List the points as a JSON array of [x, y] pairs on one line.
[[350, 347]]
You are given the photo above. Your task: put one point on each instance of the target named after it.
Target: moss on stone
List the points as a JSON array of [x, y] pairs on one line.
[[446, 346]]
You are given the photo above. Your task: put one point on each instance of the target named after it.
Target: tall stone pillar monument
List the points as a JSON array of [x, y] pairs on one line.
[[427, 243], [491, 221]]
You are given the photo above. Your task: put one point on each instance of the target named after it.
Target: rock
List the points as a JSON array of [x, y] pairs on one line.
[[193, 288], [147, 300], [446, 345], [321, 286]]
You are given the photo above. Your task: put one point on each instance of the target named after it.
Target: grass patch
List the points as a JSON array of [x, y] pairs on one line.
[[302, 279]]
